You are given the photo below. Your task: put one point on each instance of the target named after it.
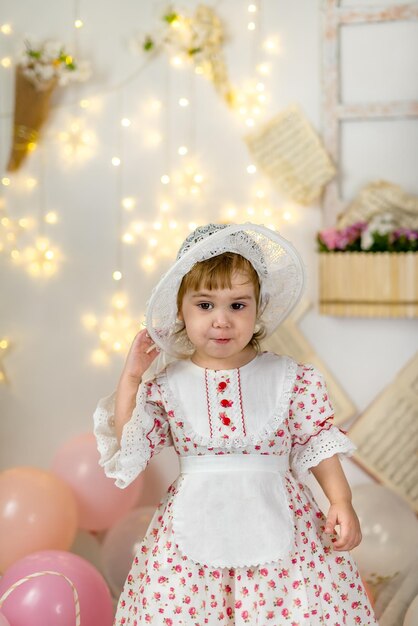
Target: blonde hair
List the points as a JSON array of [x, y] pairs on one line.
[[216, 273]]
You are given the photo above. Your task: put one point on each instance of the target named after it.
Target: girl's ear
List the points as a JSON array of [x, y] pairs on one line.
[[180, 316]]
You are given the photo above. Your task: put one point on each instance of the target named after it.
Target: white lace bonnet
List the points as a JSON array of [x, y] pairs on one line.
[[276, 261]]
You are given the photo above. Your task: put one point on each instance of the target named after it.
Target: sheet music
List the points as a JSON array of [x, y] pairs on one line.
[[290, 152], [386, 435]]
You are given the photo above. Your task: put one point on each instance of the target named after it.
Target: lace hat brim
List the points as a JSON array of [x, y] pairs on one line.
[[276, 261]]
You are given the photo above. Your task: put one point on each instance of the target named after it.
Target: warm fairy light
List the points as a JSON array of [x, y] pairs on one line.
[[260, 193], [115, 331], [165, 179], [51, 217], [263, 68], [148, 262], [199, 69], [272, 45], [152, 139], [116, 161], [172, 225], [77, 142], [249, 101], [157, 226], [250, 210], [287, 216], [182, 151], [251, 26], [251, 169], [153, 242], [192, 226], [78, 23], [117, 275], [31, 183], [4, 344], [127, 238], [6, 62], [40, 260], [84, 104], [165, 206], [128, 203], [183, 102], [125, 122], [5, 181], [252, 8], [6, 29], [176, 61], [154, 105]]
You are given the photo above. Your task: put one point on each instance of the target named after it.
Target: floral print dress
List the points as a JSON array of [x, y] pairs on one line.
[[271, 406]]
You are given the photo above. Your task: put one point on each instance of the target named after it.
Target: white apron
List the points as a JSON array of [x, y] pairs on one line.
[[231, 510]]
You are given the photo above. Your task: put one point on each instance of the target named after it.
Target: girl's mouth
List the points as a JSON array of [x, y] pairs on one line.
[[222, 341]]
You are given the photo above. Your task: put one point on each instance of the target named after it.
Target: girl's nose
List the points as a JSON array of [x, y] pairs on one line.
[[221, 320]]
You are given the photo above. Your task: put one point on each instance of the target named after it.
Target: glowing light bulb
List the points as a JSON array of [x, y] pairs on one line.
[[127, 238], [50, 218], [6, 62], [176, 61], [84, 104], [78, 23], [287, 216], [117, 275], [6, 29], [251, 169], [263, 68], [272, 45], [251, 26], [182, 151], [165, 179], [5, 181], [165, 206], [128, 203], [249, 122], [31, 183], [116, 161], [183, 102], [125, 122]]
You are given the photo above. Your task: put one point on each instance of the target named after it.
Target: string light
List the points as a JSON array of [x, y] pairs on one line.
[[51, 217], [128, 203], [251, 26], [6, 29], [251, 169], [183, 102], [115, 331], [6, 62], [40, 260], [165, 179], [117, 275], [272, 45], [182, 151], [78, 144], [252, 8], [125, 122], [78, 23], [116, 161], [5, 181]]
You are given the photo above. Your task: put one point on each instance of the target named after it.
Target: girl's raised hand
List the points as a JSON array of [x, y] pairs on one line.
[[343, 513], [141, 354]]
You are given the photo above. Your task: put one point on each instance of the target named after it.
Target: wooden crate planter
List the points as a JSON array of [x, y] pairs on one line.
[[366, 284]]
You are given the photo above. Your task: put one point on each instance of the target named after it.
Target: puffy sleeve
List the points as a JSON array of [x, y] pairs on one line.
[[313, 434], [144, 435]]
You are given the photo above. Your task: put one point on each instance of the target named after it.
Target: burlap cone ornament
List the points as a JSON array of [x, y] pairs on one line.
[[31, 110]]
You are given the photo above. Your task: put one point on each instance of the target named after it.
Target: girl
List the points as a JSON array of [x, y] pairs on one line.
[[238, 538]]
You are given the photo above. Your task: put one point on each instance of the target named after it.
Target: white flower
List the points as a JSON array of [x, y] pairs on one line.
[[366, 239], [51, 50], [45, 72]]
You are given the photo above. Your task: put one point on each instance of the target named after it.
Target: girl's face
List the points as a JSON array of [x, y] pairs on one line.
[[220, 323]]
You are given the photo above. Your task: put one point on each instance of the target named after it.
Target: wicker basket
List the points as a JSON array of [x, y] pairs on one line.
[[365, 284]]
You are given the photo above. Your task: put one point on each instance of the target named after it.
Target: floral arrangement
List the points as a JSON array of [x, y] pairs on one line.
[[379, 235], [43, 63]]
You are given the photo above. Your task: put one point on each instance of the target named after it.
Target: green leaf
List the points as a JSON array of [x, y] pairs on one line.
[[170, 17], [148, 44]]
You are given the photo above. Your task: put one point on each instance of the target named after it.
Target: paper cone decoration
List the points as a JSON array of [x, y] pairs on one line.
[[30, 112]]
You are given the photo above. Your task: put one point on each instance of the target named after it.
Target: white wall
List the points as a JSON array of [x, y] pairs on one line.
[[53, 385]]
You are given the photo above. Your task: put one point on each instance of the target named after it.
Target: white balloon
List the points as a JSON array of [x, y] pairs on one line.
[[88, 546], [389, 528], [411, 616], [121, 544]]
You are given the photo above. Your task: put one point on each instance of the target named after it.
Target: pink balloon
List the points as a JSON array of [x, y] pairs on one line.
[[100, 502], [38, 511], [48, 600], [3, 620]]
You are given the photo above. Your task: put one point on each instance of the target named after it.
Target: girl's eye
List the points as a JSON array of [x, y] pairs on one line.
[[237, 306], [206, 306]]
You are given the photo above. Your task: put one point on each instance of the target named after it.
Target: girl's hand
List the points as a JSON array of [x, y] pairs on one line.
[[342, 513], [141, 354]]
